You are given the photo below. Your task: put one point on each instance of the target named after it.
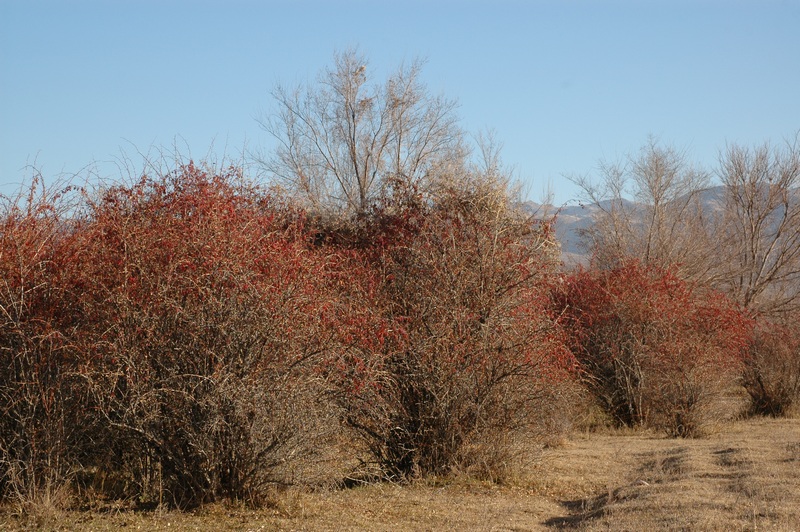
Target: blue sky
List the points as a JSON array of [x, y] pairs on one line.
[[564, 84]]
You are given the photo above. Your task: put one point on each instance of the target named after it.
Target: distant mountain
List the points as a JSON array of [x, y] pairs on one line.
[[570, 220]]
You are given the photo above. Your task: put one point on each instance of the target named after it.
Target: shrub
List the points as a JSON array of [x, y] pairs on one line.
[[450, 343], [772, 369], [653, 351], [43, 425], [207, 321]]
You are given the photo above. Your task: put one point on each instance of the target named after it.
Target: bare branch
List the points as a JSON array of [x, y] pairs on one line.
[[342, 141]]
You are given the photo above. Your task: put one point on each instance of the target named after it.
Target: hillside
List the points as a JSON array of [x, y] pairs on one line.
[[570, 221]]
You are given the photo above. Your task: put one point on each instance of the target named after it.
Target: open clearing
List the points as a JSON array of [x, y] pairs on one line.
[[744, 477]]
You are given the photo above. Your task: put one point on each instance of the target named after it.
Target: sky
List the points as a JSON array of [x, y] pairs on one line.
[[94, 87]]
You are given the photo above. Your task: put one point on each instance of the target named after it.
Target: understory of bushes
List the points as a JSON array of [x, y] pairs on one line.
[[191, 337]]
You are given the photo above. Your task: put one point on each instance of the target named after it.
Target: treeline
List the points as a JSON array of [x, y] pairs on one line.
[[383, 305]]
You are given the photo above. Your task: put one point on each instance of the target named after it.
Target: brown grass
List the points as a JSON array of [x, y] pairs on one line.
[[744, 477]]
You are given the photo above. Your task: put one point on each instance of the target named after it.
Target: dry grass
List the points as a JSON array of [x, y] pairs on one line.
[[745, 477]]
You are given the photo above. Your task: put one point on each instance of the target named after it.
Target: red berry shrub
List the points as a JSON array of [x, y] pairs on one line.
[[204, 304], [43, 422], [453, 347], [652, 350], [187, 337]]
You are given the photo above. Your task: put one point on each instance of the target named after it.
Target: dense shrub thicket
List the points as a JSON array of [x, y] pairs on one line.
[[207, 314], [653, 351], [43, 397], [190, 337], [465, 346], [167, 337]]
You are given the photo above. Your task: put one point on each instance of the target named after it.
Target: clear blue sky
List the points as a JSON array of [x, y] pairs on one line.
[[564, 83]]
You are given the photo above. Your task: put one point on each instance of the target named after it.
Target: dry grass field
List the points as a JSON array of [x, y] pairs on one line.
[[746, 476]]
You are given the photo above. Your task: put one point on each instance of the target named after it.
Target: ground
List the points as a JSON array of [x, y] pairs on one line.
[[745, 476]]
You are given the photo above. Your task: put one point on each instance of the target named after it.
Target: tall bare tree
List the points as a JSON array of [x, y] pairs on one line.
[[344, 140], [760, 256], [649, 209]]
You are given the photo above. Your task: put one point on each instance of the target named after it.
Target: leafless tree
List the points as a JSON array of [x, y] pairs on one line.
[[649, 208], [742, 238], [344, 140], [760, 239]]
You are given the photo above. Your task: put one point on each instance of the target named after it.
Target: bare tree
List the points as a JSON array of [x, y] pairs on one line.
[[344, 140], [760, 262], [742, 238], [649, 208]]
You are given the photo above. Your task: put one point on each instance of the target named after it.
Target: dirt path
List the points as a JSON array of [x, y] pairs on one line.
[[745, 478]]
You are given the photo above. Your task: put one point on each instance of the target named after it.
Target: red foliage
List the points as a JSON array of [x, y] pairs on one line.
[[41, 408], [653, 349], [204, 314], [449, 337]]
